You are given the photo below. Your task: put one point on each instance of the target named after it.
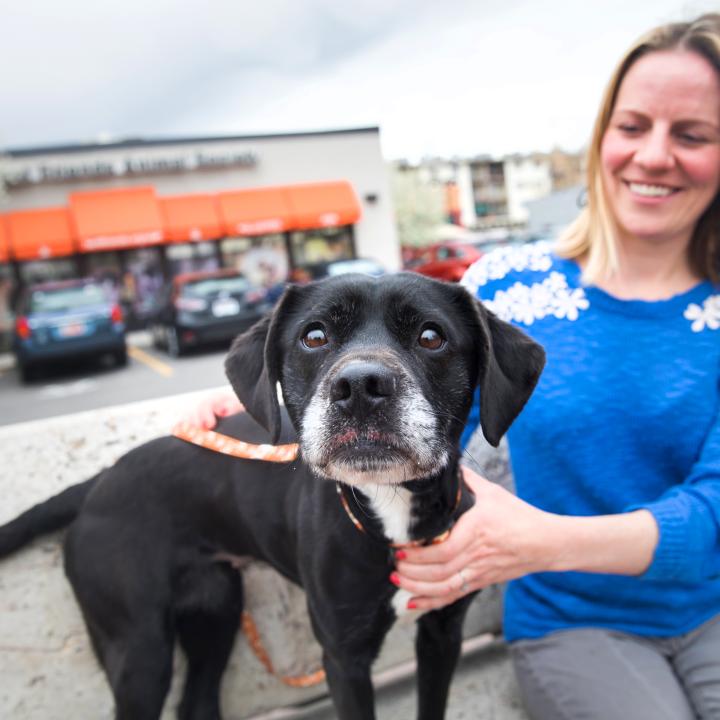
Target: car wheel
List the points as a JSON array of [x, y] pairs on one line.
[[121, 357], [158, 337], [27, 373], [173, 343]]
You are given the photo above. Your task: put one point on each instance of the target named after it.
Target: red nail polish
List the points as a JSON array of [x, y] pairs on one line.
[[394, 578], [412, 605], [400, 554]]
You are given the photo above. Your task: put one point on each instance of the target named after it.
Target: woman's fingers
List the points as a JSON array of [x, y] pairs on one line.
[[207, 410], [422, 588], [431, 603], [429, 572], [205, 417]]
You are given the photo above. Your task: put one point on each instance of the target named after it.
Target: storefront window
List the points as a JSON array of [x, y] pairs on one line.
[[141, 282], [36, 271], [106, 268], [321, 245], [191, 257], [262, 259]]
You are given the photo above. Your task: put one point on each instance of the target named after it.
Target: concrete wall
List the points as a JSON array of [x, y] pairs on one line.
[[47, 668]]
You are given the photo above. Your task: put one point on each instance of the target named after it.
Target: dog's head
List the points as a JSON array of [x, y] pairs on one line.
[[378, 374]]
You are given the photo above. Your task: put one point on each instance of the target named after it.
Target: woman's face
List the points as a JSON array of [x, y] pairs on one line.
[[660, 154]]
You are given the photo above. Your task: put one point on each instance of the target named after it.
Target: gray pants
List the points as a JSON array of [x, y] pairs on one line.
[[591, 674]]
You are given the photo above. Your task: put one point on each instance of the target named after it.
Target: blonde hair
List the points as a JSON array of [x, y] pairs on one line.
[[592, 235]]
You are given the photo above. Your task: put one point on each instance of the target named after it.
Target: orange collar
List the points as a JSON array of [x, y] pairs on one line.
[[281, 454], [231, 446]]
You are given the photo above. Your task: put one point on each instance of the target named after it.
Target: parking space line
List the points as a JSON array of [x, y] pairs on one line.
[[152, 362]]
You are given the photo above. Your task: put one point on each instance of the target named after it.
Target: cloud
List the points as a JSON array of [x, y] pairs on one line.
[[440, 78]]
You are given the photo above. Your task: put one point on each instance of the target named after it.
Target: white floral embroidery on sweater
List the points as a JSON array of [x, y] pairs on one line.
[[498, 263], [527, 303], [707, 316]]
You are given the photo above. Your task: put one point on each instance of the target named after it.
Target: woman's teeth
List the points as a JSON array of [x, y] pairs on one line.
[[650, 190]]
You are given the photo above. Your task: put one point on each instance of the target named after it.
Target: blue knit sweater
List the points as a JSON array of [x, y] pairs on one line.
[[626, 415]]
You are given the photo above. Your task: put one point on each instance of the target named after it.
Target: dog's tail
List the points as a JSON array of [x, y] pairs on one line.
[[52, 514]]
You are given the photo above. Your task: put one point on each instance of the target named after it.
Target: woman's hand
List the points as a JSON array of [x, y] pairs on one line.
[[500, 538], [213, 406]]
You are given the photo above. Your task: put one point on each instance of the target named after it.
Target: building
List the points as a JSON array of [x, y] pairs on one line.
[[527, 178], [481, 193], [137, 212]]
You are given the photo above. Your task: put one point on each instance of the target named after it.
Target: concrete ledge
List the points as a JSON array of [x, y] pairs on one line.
[[46, 663]]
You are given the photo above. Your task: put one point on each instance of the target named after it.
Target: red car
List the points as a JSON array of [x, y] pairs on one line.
[[444, 261]]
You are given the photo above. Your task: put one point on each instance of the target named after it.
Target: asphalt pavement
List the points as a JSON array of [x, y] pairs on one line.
[[77, 386]]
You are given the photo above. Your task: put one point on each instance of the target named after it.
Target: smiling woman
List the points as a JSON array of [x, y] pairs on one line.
[[653, 165], [612, 549]]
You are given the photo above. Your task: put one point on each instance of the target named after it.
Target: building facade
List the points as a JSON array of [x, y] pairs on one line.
[[138, 212], [484, 192]]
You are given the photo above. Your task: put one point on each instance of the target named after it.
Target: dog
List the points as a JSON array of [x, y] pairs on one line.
[[377, 376]]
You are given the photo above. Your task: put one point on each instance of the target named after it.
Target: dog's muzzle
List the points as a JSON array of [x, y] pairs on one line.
[[369, 422]]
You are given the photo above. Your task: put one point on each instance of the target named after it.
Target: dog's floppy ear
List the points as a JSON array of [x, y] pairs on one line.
[[253, 368], [510, 367]]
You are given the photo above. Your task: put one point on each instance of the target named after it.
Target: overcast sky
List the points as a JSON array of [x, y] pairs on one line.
[[442, 77]]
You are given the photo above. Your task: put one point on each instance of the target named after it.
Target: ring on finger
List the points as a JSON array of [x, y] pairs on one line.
[[465, 586]]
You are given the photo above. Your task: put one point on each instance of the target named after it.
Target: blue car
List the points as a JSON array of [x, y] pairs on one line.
[[63, 319]]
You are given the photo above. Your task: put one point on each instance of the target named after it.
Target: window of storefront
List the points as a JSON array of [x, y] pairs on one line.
[[35, 271], [191, 257], [105, 267], [321, 245], [142, 281], [263, 259]]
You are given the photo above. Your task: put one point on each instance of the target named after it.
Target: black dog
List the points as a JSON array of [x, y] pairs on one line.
[[377, 376]]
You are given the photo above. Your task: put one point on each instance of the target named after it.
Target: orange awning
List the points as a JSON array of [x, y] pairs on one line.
[[257, 211], [117, 219], [190, 217], [326, 204], [40, 234], [4, 241]]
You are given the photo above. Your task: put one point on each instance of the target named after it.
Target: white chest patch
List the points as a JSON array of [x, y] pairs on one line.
[[392, 505]]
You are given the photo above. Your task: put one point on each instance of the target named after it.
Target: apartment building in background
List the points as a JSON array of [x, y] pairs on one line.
[[482, 193]]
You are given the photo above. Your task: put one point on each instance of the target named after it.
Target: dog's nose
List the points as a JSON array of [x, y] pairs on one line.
[[362, 386]]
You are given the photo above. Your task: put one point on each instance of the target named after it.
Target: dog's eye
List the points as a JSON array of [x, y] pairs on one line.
[[314, 337], [431, 339]]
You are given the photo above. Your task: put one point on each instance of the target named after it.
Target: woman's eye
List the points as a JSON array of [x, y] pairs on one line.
[[690, 139], [431, 339], [629, 129], [314, 338]]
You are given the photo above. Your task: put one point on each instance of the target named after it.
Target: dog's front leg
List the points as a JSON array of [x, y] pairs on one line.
[[437, 648], [350, 686]]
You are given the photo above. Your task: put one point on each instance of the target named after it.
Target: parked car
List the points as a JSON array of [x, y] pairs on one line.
[[203, 307], [70, 318], [444, 261], [316, 271]]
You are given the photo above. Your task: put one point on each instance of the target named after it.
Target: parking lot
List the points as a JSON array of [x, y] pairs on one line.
[[87, 385]]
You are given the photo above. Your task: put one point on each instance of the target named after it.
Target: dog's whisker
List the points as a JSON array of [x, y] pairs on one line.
[[367, 513]]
